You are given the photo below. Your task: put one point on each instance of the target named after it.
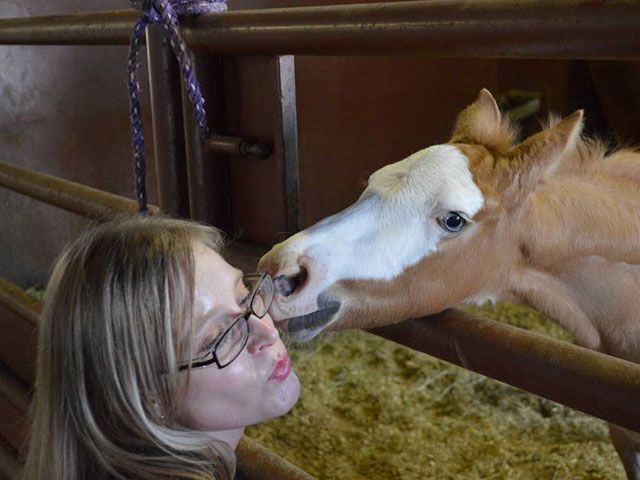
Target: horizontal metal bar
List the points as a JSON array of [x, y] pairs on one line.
[[9, 465], [594, 383], [13, 389], [439, 28], [19, 319], [95, 28], [257, 461], [600, 385], [19, 301], [71, 196], [14, 402], [236, 146], [597, 384]]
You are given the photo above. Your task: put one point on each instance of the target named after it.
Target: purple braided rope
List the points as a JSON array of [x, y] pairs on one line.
[[165, 13]]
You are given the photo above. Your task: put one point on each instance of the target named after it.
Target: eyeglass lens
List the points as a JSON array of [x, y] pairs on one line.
[[233, 341], [263, 296]]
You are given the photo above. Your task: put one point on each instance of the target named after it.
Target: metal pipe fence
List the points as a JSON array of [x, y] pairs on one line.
[[597, 384], [9, 466], [442, 28], [71, 196]]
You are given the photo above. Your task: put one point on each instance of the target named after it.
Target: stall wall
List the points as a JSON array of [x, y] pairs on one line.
[[64, 111]]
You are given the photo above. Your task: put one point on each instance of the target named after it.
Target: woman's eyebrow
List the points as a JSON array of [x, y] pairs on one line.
[[204, 322], [239, 276]]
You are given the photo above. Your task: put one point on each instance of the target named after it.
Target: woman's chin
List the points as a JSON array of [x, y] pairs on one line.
[[286, 395]]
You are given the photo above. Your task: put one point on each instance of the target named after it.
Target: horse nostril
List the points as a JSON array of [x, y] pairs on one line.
[[285, 285]]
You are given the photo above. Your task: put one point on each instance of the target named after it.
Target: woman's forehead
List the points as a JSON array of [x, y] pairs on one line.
[[210, 266], [215, 281]]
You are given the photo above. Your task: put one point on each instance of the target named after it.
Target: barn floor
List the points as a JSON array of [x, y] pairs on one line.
[[373, 410]]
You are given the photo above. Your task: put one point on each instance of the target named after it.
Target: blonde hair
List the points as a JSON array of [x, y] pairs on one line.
[[116, 311]]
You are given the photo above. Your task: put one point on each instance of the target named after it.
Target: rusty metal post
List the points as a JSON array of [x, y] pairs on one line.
[[442, 28], [71, 196], [257, 461], [9, 466], [207, 172], [168, 132], [241, 146], [20, 302], [13, 389], [594, 383], [19, 319], [597, 384], [95, 28], [14, 402], [286, 139]]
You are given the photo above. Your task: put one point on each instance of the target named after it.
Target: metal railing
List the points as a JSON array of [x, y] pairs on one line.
[[597, 384], [445, 28], [71, 196], [9, 466]]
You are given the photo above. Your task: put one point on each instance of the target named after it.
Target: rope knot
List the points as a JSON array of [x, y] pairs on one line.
[[165, 13]]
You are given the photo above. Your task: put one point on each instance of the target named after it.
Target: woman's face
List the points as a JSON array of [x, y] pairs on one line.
[[258, 384]]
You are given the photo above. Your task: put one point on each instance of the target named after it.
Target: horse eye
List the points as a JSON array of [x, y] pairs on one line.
[[452, 222]]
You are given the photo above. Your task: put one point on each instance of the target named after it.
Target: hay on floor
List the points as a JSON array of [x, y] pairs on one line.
[[373, 410]]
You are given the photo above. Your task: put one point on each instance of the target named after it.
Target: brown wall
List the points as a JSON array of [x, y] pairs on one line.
[[64, 111], [356, 114]]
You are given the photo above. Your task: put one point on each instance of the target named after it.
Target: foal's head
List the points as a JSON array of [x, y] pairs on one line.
[[428, 232]]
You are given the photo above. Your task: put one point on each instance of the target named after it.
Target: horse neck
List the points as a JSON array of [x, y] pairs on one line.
[[583, 214]]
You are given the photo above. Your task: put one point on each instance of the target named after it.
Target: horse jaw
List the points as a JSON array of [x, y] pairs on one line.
[[391, 228], [305, 327]]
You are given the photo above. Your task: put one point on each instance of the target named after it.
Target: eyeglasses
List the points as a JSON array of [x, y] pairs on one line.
[[230, 343]]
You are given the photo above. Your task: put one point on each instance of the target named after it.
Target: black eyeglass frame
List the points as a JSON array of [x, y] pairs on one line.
[[244, 317]]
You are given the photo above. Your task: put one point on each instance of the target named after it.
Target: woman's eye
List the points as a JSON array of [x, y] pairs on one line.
[[224, 341], [452, 222], [244, 301], [208, 345]]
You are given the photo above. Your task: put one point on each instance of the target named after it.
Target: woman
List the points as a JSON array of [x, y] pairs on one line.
[[154, 354]]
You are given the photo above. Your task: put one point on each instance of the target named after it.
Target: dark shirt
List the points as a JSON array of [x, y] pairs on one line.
[[240, 475]]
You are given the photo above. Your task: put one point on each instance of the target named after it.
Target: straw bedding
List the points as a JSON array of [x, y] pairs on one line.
[[373, 410]]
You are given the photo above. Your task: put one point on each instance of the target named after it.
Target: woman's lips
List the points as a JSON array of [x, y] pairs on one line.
[[282, 369]]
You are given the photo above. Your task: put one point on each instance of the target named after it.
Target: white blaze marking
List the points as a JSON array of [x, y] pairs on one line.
[[391, 227]]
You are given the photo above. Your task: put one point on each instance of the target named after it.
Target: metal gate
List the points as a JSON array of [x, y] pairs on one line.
[[592, 382]]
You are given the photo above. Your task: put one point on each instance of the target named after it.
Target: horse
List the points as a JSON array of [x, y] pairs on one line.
[[550, 221]]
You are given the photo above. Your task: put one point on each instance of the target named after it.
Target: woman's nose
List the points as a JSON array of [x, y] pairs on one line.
[[262, 334]]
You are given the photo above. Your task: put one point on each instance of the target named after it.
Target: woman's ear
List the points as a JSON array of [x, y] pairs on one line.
[[538, 156]]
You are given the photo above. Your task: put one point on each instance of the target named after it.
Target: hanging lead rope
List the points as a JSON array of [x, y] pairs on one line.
[[165, 13]]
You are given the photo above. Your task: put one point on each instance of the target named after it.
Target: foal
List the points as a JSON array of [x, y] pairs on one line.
[[552, 222]]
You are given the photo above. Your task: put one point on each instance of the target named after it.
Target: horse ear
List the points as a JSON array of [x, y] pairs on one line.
[[482, 124], [540, 155]]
